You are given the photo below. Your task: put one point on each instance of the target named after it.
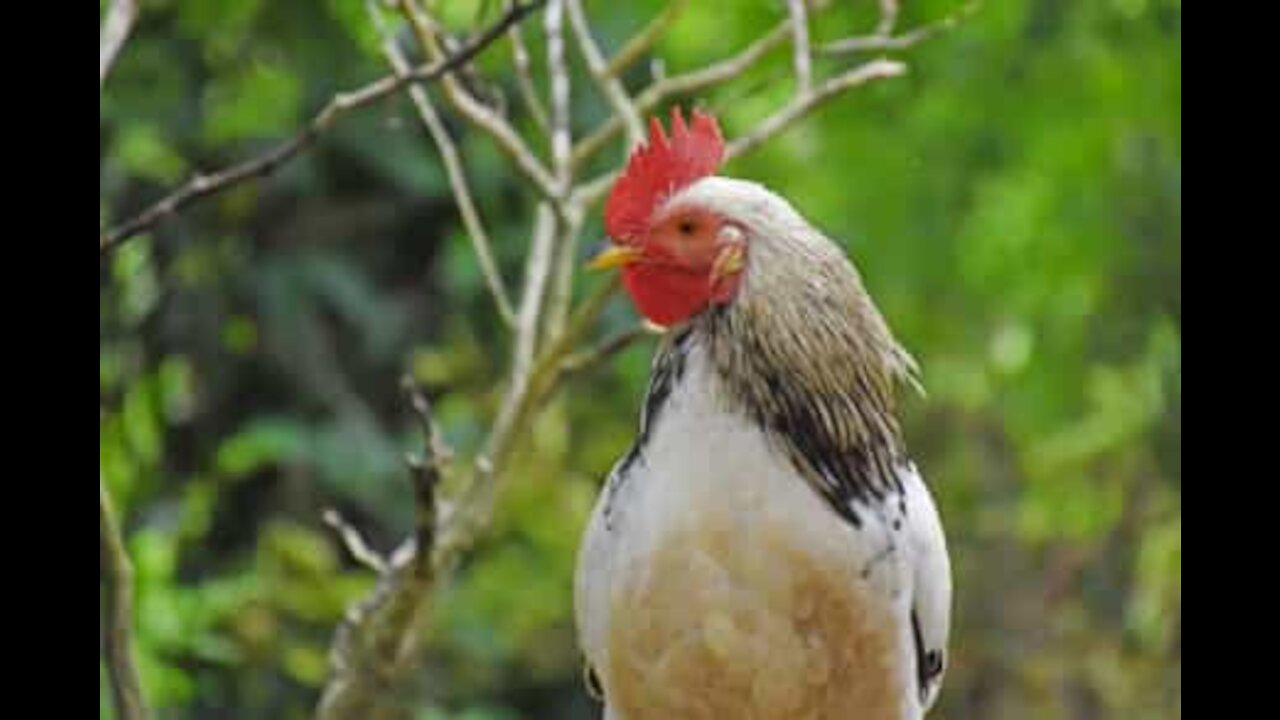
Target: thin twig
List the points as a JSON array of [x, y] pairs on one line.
[[687, 83], [550, 281], [639, 44], [524, 77], [879, 42], [801, 59], [524, 395], [425, 470], [612, 88], [453, 168], [537, 270], [657, 70], [561, 138], [437, 450], [586, 359], [716, 73], [354, 542], [544, 375], [204, 185], [474, 505], [888, 18], [120, 18], [425, 480], [558, 298], [375, 645], [126, 691], [591, 192], [479, 114], [798, 108]]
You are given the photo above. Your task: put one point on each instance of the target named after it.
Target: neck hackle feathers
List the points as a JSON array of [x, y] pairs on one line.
[[661, 168]]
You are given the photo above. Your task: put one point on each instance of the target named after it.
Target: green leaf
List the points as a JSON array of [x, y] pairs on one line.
[[135, 276], [307, 664], [240, 334], [263, 441], [144, 151], [177, 388], [217, 19], [354, 19], [260, 102], [142, 423], [1155, 606]]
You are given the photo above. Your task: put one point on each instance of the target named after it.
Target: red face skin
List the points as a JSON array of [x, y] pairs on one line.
[[674, 278]]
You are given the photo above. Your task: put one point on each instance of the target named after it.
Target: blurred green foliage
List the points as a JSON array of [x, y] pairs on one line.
[[1014, 204]]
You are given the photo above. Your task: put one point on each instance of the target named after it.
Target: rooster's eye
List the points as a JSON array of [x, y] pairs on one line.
[[687, 227]]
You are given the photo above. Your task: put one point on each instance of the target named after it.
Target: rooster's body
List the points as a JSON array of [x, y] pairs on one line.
[[766, 550]]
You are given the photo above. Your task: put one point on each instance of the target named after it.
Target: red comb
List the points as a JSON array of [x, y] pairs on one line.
[[661, 168]]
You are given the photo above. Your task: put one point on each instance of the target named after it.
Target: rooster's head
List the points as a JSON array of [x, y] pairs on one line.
[[676, 258]]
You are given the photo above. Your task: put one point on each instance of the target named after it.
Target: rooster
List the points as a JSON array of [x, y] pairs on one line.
[[766, 550]]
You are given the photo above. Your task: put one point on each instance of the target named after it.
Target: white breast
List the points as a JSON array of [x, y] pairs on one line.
[[716, 584]]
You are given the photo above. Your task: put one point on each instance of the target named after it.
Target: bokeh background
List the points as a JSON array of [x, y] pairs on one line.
[[1014, 204]]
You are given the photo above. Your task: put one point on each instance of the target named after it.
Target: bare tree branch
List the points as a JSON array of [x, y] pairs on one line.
[[568, 220], [267, 163], [453, 168], [120, 18], [476, 112], [425, 471], [561, 134], [803, 105], [376, 644], [354, 542], [609, 85], [886, 41], [473, 505], [126, 691], [591, 192], [888, 17], [640, 43], [524, 77], [801, 59], [690, 82], [537, 270], [586, 359], [544, 374], [561, 290], [715, 73]]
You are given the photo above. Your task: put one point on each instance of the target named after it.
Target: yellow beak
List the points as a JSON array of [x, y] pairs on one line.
[[615, 256]]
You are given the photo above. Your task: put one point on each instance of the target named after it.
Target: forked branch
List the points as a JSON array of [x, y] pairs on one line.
[[204, 185], [376, 644]]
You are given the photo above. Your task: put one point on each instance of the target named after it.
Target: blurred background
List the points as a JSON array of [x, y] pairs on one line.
[[1014, 204]]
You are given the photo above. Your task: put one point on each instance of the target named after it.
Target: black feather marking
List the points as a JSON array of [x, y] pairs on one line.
[[852, 466], [592, 681], [666, 373], [928, 662]]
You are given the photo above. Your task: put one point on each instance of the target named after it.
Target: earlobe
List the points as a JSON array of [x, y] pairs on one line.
[[730, 260], [729, 263], [731, 253]]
